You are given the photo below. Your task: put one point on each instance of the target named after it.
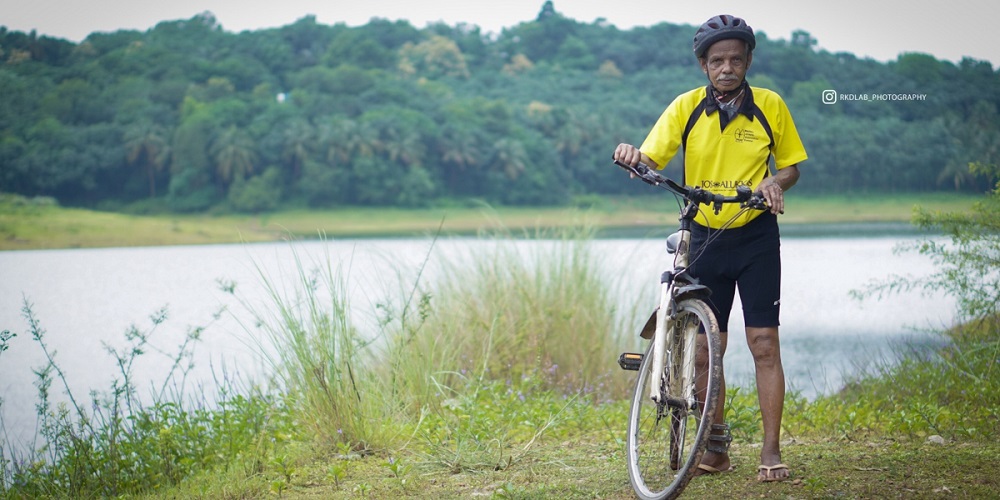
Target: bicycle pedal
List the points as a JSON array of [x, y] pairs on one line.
[[630, 361]]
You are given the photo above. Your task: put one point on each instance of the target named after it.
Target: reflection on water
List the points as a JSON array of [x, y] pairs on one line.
[[86, 299]]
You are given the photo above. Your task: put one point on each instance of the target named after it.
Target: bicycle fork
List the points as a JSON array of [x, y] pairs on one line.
[[658, 389], [664, 320]]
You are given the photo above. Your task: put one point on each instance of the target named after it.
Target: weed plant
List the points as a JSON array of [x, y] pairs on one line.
[[319, 358], [114, 445], [497, 325], [548, 314]]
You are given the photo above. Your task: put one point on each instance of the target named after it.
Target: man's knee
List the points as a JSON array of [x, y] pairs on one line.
[[764, 346]]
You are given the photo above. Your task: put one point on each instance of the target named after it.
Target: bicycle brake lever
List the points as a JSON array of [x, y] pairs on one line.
[[632, 170], [642, 171]]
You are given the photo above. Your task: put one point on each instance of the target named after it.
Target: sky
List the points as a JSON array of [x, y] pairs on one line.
[[877, 29]]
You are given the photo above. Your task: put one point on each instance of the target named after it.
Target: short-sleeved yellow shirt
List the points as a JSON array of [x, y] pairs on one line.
[[720, 159]]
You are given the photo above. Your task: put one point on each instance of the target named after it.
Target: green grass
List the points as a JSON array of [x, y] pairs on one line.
[[587, 467], [495, 379], [33, 224]]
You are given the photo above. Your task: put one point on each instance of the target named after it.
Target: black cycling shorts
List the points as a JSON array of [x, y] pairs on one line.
[[748, 257]]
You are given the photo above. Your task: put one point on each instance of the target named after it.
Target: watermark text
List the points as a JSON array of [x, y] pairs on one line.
[[833, 97]]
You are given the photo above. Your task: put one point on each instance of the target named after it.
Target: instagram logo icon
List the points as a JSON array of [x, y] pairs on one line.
[[829, 97]]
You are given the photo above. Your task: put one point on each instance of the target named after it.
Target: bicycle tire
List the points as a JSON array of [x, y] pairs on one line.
[[660, 434]]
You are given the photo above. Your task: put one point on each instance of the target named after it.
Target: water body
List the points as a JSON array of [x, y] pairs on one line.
[[86, 299]]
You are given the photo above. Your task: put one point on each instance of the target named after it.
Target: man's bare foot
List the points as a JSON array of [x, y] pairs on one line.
[[770, 473]]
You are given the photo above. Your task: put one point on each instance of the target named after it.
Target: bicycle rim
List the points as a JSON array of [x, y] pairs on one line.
[[665, 442]]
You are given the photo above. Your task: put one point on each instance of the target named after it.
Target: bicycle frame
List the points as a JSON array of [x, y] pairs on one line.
[[667, 310], [665, 402]]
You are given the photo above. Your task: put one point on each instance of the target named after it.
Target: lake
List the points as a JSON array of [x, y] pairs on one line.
[[85, 299]]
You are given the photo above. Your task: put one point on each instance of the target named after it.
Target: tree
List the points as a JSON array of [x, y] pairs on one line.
[[574, 53], [345, 140], [435, 57], [509, 157], [75, 101], [259, 193], [298, 137], [190, 187], [377, 182], [359, 48], [460, 154], [972, 142], [325, 184], [234, 155], [146, 146], [496, 117], [802, 39]]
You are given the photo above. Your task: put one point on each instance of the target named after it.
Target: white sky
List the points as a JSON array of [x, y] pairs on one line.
[[880, 29]]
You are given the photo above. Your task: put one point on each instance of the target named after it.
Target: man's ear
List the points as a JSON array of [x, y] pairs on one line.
[[704, 65]]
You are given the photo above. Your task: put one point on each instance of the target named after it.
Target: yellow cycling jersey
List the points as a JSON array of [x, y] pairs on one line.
[[719, 156]]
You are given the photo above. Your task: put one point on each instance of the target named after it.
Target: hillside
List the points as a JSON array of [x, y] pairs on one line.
[[186, 117]]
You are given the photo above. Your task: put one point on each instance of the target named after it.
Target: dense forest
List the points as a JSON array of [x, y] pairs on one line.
[[189, 117]]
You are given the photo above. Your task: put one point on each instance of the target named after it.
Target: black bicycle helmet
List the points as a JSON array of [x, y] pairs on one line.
[[722, 28]]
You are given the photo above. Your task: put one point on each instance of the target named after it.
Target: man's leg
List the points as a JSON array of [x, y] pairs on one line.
[[711, 459], [766, 353]]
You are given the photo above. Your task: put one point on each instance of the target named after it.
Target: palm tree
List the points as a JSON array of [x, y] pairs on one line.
[[403, 145], [234, 154], [346, 139], [460, 148], [510, 157], [145, 145], [416, 148], [459, 151], [297, 138], [972, 142]]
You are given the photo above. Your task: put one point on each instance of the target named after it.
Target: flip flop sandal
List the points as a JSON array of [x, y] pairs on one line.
[[708, 469], [767, 472]]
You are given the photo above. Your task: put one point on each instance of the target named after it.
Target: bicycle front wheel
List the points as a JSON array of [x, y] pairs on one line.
[[667, 438]]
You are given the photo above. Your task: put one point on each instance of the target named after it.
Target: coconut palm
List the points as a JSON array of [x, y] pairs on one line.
[[346, 139], [146, 145], [460, 151], [297, 140], [509, 157], [234, 154]]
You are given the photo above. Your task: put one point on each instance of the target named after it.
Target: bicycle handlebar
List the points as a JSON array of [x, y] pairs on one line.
[[744, 196]]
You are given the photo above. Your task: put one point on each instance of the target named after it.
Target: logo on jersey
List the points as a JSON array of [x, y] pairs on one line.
[[728, 184], [744, 135]]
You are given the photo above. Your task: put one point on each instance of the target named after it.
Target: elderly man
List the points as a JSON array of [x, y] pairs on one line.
[[729, 131]]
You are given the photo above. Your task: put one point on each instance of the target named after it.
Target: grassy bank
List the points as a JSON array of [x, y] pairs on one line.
[[33, 224], [496, 379], [588, 468]]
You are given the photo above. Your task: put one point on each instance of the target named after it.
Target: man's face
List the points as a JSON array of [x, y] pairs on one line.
[[726, 63]]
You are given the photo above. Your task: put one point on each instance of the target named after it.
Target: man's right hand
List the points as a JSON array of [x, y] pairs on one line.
[[628, 154], [631, 156]]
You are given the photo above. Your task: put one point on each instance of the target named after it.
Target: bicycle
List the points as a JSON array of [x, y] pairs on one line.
[[676, 409]]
